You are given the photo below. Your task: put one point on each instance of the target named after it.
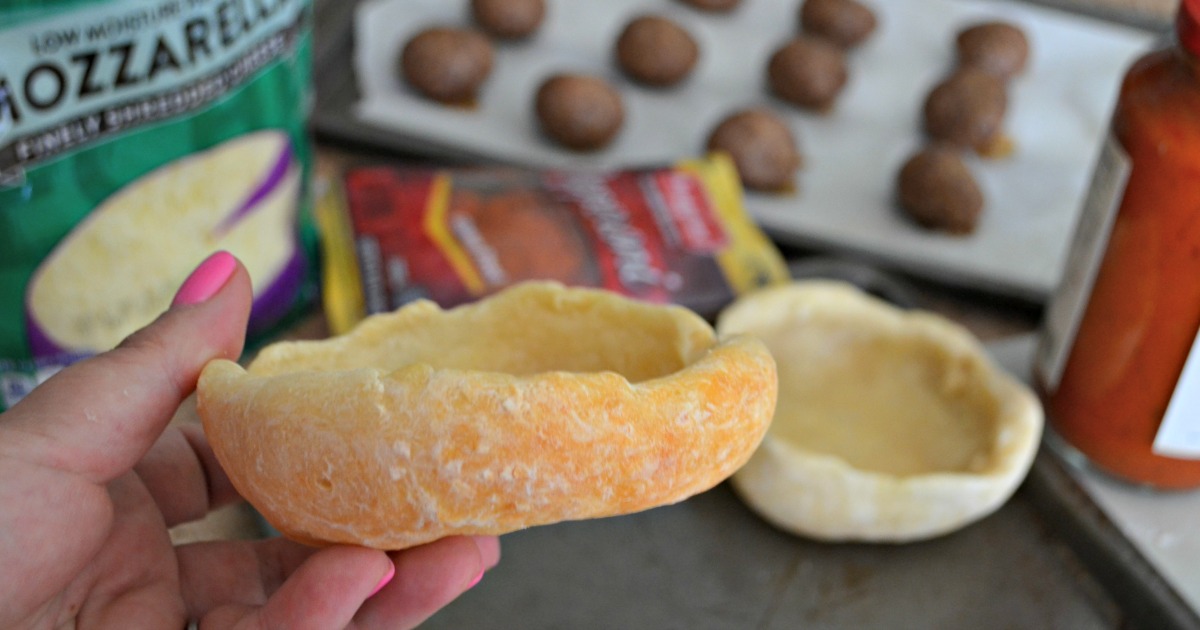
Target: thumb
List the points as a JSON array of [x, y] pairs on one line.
[[323, 592], [98, 417]]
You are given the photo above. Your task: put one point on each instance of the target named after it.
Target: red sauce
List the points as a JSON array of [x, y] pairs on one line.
[[1144, 311]]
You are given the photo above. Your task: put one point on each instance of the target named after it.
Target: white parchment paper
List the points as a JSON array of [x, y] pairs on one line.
[[1058, 113]]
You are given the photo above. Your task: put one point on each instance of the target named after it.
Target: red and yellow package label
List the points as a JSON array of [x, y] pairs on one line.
[[677, 235]]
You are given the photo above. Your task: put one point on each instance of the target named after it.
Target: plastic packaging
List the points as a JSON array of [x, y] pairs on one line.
[[677, 234], [136, 138]]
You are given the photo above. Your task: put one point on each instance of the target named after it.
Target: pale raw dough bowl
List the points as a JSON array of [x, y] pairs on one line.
[[891, 425]]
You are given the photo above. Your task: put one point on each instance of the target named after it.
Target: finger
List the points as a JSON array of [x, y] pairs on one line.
[[98, 417], [215, 573], [326, 590], [489, 550], [223, 582], [427, 578], [322, 591], [183, 476]]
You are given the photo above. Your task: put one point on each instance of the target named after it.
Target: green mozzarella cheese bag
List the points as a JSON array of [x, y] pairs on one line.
[[136, 138]]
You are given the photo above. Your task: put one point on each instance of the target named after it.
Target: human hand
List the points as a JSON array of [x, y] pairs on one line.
[[91, 478]]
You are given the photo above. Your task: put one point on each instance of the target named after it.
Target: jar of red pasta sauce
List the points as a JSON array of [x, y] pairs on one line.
[[1118, 365]]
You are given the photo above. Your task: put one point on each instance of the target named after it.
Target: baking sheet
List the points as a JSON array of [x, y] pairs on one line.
[[1058, 113], [1163, 526]]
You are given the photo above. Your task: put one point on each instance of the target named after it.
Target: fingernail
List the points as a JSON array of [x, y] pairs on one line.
[[476, 580], [386, 578], [206, 280], [489, 550]]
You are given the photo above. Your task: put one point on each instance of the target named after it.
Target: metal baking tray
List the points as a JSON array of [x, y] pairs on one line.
[[1050, 557]]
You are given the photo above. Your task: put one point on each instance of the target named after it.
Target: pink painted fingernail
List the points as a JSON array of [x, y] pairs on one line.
[[384, 582], [476, 580], [206, 280]]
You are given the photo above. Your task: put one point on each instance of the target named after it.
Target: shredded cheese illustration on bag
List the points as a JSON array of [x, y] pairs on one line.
[[251, 214]]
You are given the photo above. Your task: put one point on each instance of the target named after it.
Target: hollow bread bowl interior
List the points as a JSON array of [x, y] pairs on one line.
[[890, 425], [545, 331]]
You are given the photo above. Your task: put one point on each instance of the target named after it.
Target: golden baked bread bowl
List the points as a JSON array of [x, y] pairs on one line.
[[890, 426], [536, 405]]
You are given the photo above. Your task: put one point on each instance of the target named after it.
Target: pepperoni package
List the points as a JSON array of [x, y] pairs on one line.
[[676, 234]]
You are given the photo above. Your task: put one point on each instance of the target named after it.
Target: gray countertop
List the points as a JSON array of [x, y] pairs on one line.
[[710, 563]]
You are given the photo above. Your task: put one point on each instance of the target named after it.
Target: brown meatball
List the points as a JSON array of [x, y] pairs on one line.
[[656, 51], [846, 23], [761, 146], [509, 19], [447, 64], [967, 109], [808, 72], [713, 5], [996, 47], [581, 112], [937, 190]]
